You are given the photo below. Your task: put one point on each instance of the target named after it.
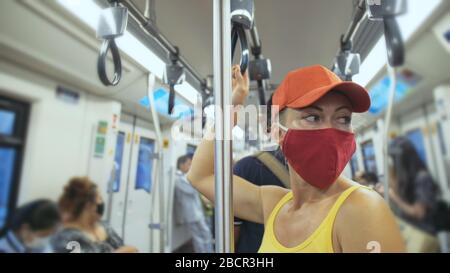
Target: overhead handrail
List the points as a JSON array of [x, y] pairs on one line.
[[347, 63], [153, 32]]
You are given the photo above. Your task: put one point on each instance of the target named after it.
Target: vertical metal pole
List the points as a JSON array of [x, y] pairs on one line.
[[159, 173], [223, 127], [162, 205], [111, 180], [387, 124]]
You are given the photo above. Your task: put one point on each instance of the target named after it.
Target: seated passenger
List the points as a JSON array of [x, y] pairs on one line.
[[413, 192], [324, 211], [30, 228], [82, 208]]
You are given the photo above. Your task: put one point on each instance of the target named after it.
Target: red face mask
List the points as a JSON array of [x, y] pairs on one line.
[[319, 156]]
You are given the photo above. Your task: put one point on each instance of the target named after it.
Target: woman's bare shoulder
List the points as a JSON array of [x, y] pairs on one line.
[[363, 200], [365, 217]]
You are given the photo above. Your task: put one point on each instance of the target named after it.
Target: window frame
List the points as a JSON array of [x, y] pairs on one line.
[[16, 141]]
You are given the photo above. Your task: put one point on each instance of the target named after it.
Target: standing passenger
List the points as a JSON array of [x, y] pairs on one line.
[[188, 208], [324, 211]]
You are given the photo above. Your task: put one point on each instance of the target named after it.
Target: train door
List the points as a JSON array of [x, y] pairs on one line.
[[133, 183], [140, 188], [118, 189], [440, 149]]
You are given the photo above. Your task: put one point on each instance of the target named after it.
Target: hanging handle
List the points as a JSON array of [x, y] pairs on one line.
[[171, 99], [242, 17], [394, 42], [174, 75], [112, 24], [109, 45], [387, 11], [238, 33]]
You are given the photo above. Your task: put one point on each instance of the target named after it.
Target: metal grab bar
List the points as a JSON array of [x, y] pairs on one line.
[[223, 143]]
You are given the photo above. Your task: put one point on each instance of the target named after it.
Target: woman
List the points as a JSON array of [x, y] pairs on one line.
[[82, 208], [412, 191], [323, 211], [30, 228]]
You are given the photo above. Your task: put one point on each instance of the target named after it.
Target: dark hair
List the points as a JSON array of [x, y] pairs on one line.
[[407, 166], [183, 159], [79, 192], [371, 178], [38, 215]]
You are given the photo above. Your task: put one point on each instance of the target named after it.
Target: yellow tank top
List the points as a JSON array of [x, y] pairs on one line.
[[320, 241]]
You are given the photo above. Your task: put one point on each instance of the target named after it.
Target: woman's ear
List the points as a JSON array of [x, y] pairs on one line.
[[91, 206], [277, 134]]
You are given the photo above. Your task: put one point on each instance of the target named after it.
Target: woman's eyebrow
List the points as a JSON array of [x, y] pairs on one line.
[[343, 107], [310, 107]]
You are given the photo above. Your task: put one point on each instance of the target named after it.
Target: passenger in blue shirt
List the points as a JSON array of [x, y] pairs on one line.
[[30, 228], [248, 235]]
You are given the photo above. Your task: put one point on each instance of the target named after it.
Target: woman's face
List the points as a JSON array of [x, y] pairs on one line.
[[94, 207], [334, 110], [37, 239]]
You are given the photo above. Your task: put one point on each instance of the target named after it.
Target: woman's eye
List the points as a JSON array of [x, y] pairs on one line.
[[312, 118], [345, 120]]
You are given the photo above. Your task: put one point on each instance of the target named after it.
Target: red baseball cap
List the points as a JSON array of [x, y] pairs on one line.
[[304, 86]]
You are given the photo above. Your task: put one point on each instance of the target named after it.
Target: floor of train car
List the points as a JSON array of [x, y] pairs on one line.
[[187, 247]]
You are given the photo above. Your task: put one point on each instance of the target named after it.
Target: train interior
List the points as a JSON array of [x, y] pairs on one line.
[[58, 120]]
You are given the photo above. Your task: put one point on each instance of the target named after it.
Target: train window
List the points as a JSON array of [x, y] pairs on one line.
[[7, 119], [354, 165], [7, 157], [118, 161], [368, 151], [416, 137], [13, 121], [191, 149], [145, 164]]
